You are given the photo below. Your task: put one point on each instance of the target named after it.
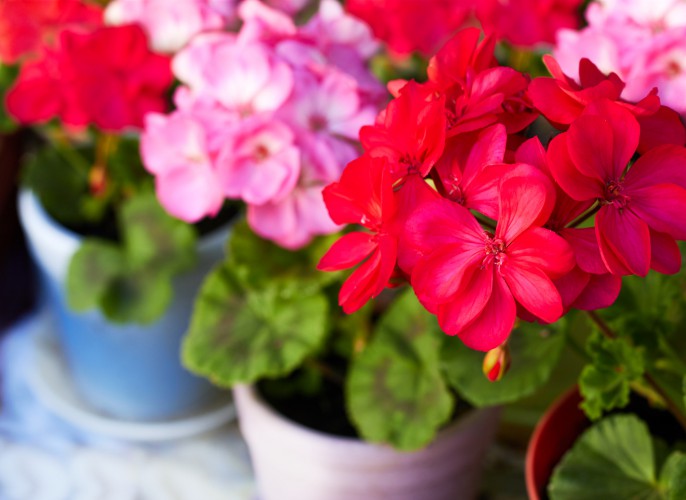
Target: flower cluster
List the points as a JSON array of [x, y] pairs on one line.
[[107, 77], [423, 26], [268, 115], [487, 225], [643, 42]]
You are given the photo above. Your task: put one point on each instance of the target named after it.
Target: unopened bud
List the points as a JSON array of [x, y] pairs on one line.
[[496, 363], [97, 181]]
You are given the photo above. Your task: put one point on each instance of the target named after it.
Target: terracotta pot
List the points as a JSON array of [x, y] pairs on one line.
[[553, 436], [129, 371], [292, 462]]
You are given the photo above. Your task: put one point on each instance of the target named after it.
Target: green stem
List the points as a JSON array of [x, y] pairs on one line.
[[585, 216], [654, 385], [325, 371], [484, 221]]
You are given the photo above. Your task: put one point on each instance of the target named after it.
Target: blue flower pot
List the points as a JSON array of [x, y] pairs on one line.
[[127, 371]]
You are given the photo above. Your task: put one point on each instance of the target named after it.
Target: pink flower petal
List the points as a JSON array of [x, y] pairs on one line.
[[189, 193], [571, 285]]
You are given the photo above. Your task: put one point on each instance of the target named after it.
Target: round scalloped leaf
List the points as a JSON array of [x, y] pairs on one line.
[[92, 270], [614, 459], [239, 336], [534, 349], [395, 391]]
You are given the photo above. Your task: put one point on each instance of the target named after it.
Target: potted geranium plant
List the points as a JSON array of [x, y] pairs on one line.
[[119, 272], [267, 323]]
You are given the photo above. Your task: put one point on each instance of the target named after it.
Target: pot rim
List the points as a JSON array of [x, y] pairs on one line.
[[353, 444]]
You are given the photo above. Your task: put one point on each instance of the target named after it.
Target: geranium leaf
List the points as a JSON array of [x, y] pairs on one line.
[[153, 239], [140, 297], [395, 391], [91, 272], [673, 476], [258, 261], [614, 459], [534, 349], [605, 384], [240, 336]]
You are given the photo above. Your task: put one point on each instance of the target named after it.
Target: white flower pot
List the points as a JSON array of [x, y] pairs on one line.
[[128, 371], [292, 462]]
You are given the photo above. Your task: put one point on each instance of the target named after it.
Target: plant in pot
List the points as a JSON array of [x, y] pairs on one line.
[[119, 273], [620, 434], [381, 403]]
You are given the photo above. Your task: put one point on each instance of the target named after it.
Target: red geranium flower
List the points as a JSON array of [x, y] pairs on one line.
[[411, 25], [363, 196], [478, 93], [108, 78], [26, 24], [561, 100], [642, 206], [589, 285], [472, 280], [528, 22]]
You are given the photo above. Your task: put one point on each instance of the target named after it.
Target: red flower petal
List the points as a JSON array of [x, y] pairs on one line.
[[466, 305], [662, 207], [574, 183], [541, 249], [534, 290], [661, 165], [347, 251], [526, 199], [624, 241], [601, 292], [585, 245], [439, 276], [665, 253], [492, 327]]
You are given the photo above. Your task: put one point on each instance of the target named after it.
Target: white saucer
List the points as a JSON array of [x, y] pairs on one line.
[[50, 382]]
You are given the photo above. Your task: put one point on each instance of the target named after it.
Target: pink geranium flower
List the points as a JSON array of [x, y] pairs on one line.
[[171, 24], [247, 78], [473, 280], [175, 149], [259, 162], [641, 206]]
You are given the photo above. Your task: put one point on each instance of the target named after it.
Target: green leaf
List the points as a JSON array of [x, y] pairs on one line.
[[61, 185], [259, 262], [7, 76], [534, 349], [138, 297], [395, 391], [605, 384], [91, 272], [154, 239], [614, 459], [673, 476], [240, 336]]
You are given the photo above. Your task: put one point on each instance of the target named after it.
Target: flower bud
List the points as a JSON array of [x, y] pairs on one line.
[[496, 362]]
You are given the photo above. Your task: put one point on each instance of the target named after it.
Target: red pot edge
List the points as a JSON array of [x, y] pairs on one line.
[[556, 431]]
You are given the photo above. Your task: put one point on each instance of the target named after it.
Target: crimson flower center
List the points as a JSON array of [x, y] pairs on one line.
[[614, 195], [496, 252]]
